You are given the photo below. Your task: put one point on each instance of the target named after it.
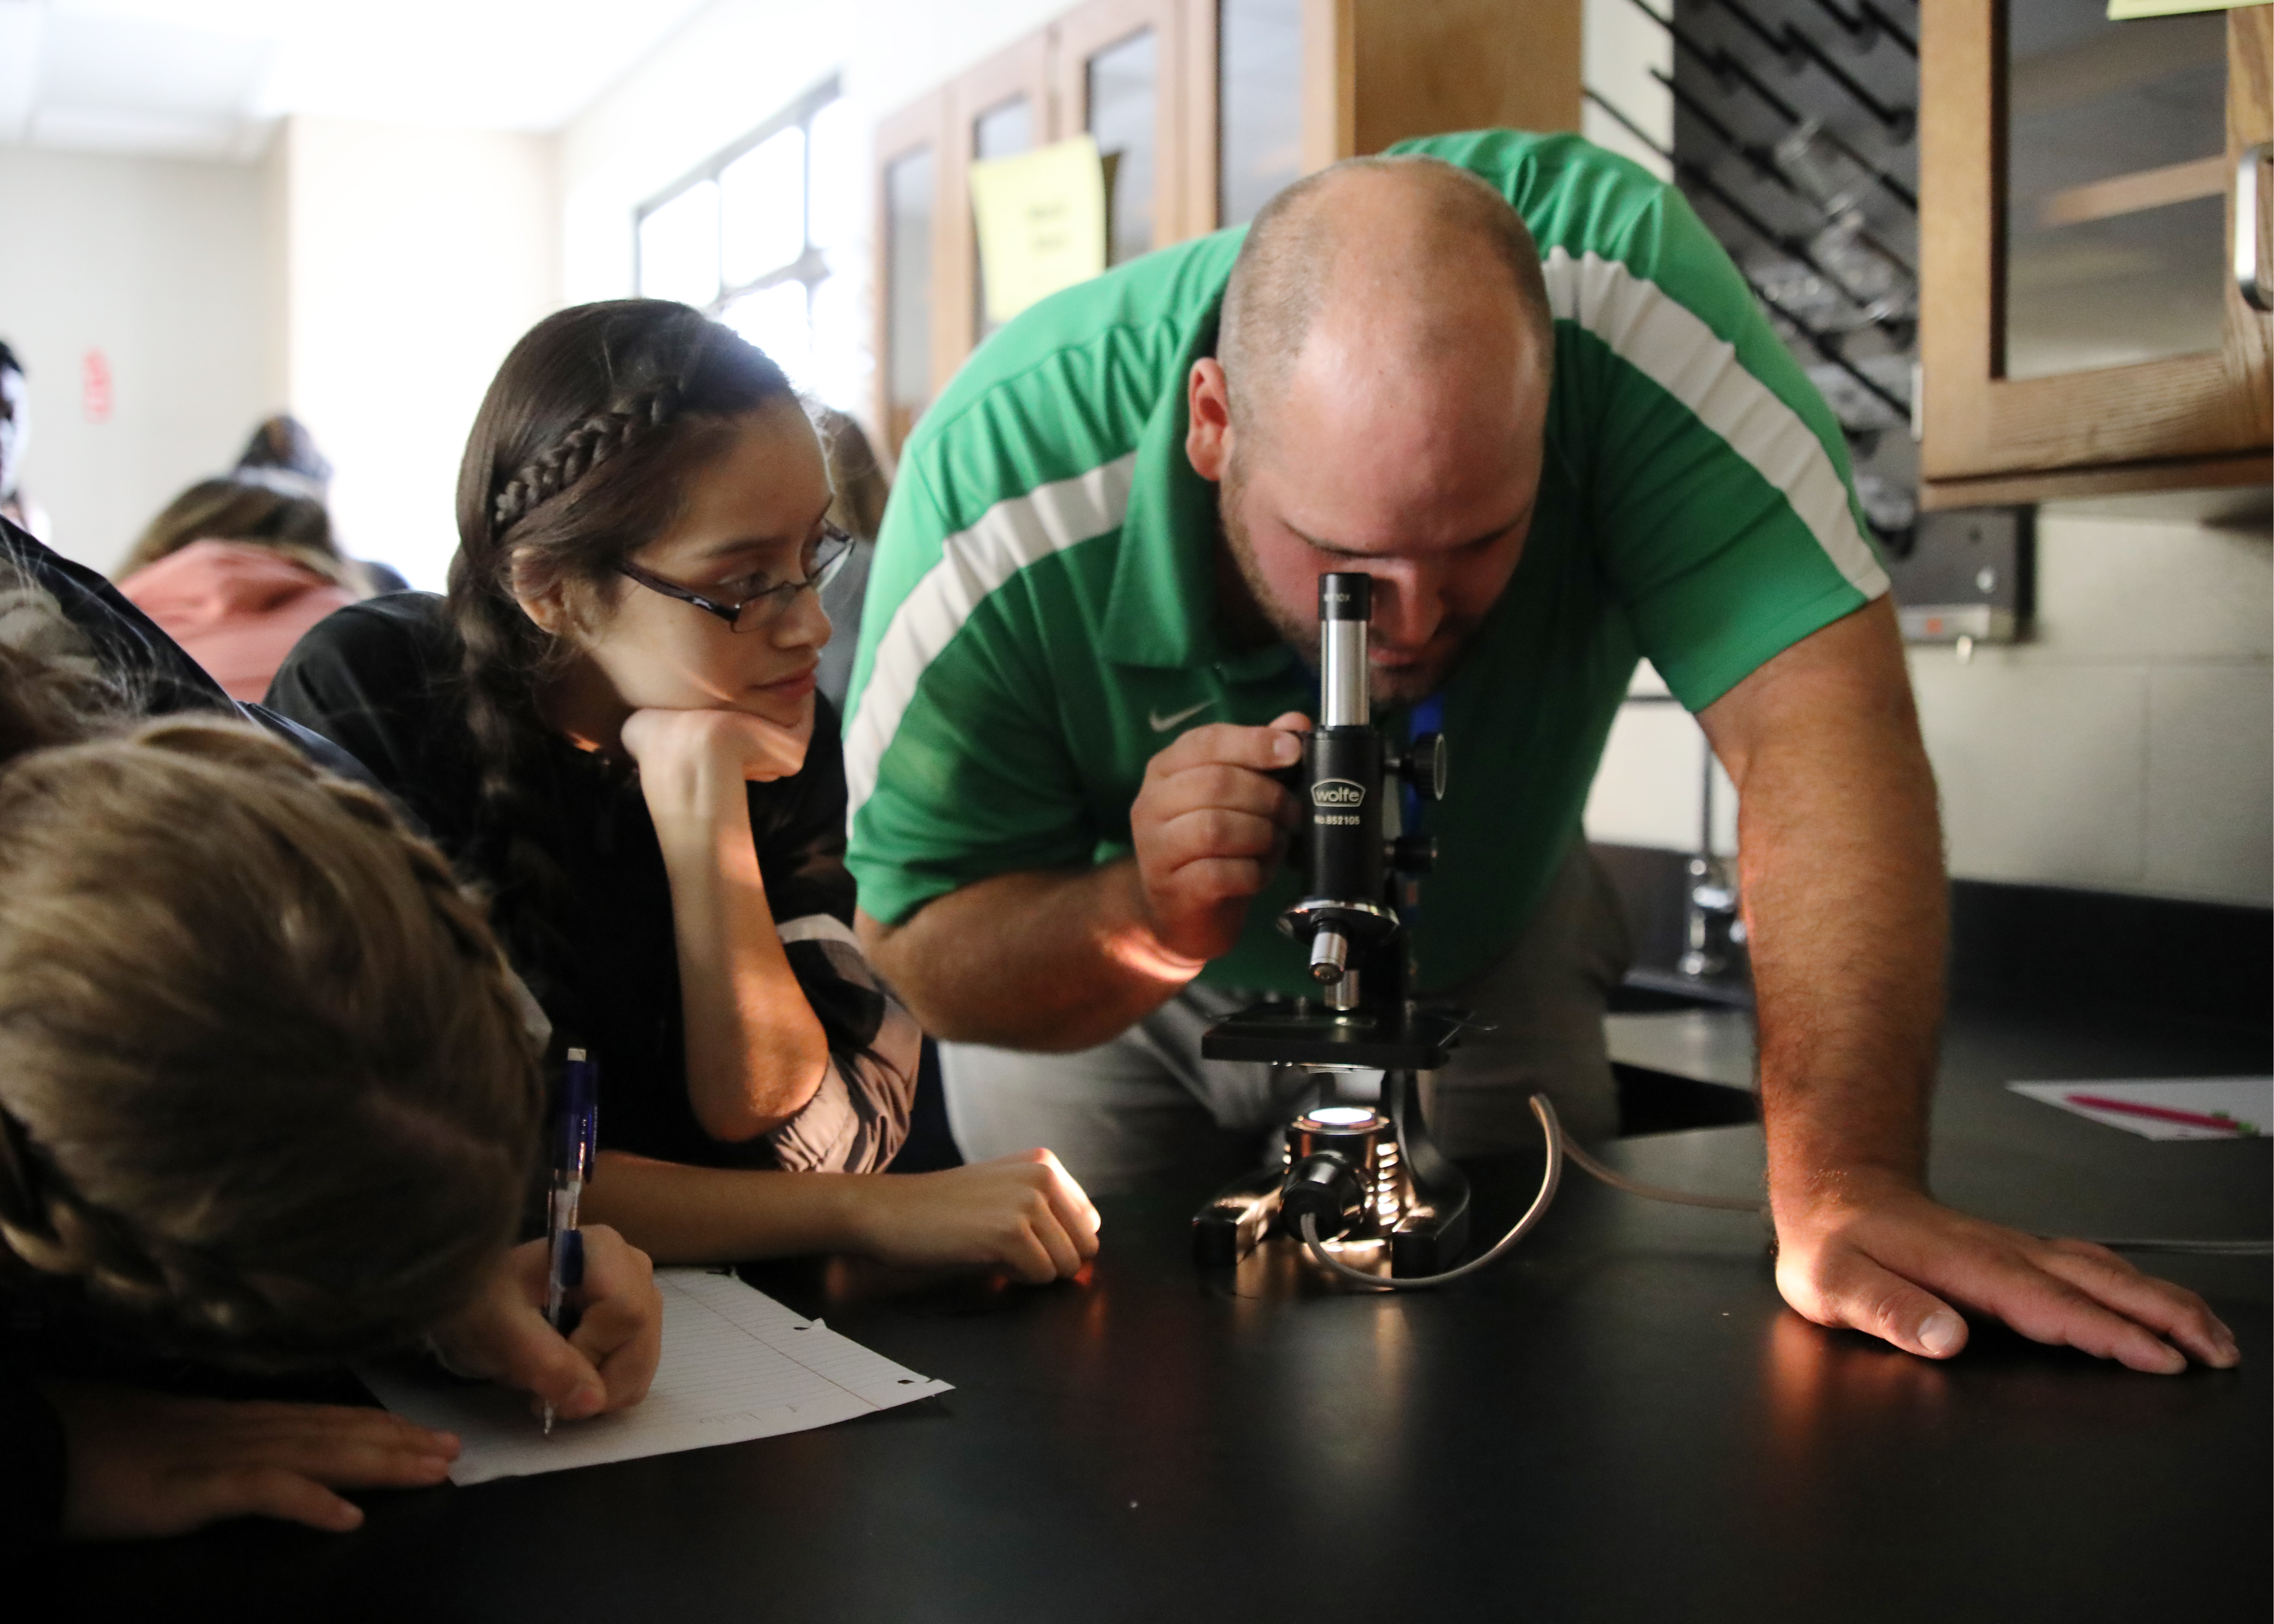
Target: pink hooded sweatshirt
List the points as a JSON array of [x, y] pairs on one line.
[[237, 608]]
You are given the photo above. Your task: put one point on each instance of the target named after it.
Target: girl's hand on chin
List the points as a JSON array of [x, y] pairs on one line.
[[671, 743]]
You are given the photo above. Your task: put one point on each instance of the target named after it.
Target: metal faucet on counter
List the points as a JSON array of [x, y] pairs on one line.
[[1711, 923], [1368, 1176]]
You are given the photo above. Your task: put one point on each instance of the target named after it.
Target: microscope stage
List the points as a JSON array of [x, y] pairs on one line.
[[1306, 1035]]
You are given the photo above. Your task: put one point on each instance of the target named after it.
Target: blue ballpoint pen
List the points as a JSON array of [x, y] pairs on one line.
[[572, 1166]]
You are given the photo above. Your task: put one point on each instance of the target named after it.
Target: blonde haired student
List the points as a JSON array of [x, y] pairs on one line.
[[612, 723], [268, 1099]]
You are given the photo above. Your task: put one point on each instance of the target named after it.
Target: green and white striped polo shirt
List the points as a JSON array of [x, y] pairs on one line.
[[1041, 617]]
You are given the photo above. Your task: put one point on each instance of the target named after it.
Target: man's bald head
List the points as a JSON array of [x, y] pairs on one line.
[[1415, 250], [1378, 401]]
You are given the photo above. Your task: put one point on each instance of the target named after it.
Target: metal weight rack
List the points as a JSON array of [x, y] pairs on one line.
[[1794, 137]]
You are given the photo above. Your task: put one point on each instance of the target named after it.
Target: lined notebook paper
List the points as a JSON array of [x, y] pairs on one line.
[[736, 1364]]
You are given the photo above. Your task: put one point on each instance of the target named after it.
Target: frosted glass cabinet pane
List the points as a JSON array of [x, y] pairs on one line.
[[1124, 103], [908, 271], [2115, 186], [1003, 130], [1260, 105]]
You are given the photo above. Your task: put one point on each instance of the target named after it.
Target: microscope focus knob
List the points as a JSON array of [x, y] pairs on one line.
[[1423, 766], [1412, 853]]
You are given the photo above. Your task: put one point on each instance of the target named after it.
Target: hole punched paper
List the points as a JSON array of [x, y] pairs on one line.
[[736, 1365]]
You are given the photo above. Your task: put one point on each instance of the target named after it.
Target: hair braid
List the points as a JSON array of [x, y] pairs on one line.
[[581, 450], [577, 459]]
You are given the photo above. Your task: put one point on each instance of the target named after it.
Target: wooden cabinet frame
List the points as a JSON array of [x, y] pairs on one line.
[[1023, 69], [2187, 422], [1099, 24], [1373, 71], [920, 126]]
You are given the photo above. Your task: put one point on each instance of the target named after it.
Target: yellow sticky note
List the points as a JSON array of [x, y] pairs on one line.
[[2124, 10], [1041, 223]]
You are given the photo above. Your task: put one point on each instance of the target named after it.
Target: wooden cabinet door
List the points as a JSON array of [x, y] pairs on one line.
[[2013, 406], [1121, 75], [914, 352], [998, 109]]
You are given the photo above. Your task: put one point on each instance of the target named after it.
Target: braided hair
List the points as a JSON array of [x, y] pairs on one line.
[[579, 457], [265, 1084]]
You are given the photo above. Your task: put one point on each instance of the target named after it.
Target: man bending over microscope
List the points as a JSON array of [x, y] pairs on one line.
[[1560, 435]]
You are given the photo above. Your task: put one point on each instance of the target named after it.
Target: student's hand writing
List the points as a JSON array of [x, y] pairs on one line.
[[1022, 1213], [1209, 828], [1879, 1255], [606, 1364], [685, 752], [144, 1465]]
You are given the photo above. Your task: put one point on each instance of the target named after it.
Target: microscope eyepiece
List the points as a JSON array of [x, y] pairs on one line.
[[1346, 595]]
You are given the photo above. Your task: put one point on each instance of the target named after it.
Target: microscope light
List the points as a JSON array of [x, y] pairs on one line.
[[1345, 1115]]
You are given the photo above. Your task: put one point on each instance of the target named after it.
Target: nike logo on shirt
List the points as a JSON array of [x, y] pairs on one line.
[[1162, 724]]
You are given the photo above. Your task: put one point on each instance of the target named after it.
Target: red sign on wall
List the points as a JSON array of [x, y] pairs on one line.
[[94, 386]]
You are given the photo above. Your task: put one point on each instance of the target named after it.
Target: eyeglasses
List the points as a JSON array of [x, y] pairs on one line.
[[759, 609]]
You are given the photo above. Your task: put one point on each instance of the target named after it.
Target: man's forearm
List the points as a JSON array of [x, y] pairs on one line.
[[1844, 905], [1054, 961]]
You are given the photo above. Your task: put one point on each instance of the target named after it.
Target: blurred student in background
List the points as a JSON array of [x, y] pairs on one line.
[[862, 485], [235, 570], [15, 433], [281, 455]]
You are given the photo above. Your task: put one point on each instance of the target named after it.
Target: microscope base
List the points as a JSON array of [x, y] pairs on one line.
[[1427, 1239]]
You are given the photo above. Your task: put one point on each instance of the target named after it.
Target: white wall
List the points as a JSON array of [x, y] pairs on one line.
[[413, 259], [159, 264], [1618, 47], [2129, 746]]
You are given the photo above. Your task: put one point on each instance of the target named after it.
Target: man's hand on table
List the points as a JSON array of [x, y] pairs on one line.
[[1209, 826], [1871, 1253]]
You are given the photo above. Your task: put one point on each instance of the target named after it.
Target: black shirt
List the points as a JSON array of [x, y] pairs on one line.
[[382, 679]]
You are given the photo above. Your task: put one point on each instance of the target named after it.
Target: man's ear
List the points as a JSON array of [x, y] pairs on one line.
[[1208, 431]]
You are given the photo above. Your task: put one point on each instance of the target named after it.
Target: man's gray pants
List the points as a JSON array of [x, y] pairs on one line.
[[1145, 1108]]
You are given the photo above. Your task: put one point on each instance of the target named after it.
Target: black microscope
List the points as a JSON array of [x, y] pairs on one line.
[[1368, 1176]]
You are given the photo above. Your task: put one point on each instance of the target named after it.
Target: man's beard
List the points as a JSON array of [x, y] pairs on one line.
[[1405, 685]]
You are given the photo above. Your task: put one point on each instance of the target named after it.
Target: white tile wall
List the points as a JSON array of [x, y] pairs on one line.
[[2043, 767], [2129, 746], [2210, 755]]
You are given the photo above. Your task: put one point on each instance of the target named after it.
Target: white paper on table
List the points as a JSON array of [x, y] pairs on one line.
[[2246, 1099], [736, 1364]]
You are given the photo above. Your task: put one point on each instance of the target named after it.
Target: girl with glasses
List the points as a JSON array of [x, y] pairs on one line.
[[611, 723]]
